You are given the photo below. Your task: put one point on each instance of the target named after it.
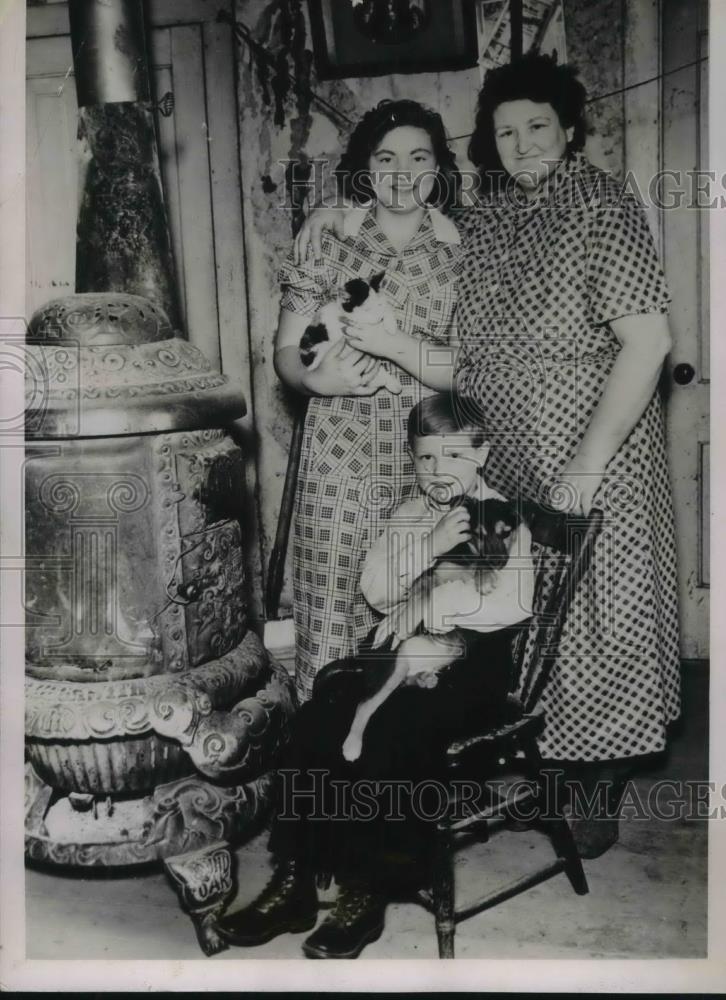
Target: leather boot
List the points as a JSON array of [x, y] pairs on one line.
[[287, 905], [357, 919]]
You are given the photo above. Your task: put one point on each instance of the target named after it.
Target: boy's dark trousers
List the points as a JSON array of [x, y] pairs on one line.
[[371, 821]]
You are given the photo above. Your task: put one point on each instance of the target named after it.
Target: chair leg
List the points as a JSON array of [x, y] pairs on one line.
[[443, 893], [557, 826], [564, 844]]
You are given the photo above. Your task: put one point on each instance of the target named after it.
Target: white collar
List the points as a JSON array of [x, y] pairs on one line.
[[444, 229]]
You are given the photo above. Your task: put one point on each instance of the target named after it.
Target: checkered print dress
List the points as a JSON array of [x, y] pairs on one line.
[[540, 285], [354, 468]]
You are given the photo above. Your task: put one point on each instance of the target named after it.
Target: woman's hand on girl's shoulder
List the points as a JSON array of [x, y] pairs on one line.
[[311, 232]]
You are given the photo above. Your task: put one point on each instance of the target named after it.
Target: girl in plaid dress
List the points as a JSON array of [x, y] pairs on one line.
[[354, 468]]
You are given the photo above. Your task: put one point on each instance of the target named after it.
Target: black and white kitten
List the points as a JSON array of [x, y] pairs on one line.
[[362, 300]]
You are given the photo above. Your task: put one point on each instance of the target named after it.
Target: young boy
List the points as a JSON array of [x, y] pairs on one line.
[[436, 609], [321, 825]]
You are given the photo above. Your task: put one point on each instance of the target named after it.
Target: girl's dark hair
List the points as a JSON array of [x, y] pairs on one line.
[[446, 413], [352, 172], [533, 77]]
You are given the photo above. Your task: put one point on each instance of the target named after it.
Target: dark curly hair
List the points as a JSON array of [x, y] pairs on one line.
[[352, 174], [533, 77]]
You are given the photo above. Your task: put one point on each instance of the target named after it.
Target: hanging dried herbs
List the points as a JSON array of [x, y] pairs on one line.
[[283, 53], [283, 64]]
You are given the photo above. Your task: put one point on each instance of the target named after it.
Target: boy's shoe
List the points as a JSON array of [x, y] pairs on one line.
[[287, 905], [357, 919]]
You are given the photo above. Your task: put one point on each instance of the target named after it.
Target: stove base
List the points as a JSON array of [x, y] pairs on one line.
[[176, 818]]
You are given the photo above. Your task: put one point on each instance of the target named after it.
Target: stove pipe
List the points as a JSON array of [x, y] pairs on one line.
[[122, 240]]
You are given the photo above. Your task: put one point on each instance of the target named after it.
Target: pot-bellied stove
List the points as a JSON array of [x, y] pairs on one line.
[[153, 714]]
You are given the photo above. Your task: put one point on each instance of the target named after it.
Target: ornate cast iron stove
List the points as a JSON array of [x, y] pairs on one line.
[[153, 714]]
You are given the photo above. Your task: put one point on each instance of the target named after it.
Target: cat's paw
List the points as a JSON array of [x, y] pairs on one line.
[[427, 679], [352, 747], [488, 583]]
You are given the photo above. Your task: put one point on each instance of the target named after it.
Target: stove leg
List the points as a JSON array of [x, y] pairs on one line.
[[204, 881]]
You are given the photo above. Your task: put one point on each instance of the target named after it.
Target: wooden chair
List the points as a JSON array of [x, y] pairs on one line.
[[570, 541]]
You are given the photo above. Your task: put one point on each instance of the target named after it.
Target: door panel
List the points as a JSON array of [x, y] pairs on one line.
[[703, 164], [685, 251], [704, 513], [52, 173]]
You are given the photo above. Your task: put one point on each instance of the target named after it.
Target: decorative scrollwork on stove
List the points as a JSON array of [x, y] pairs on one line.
[[108, 317], [191, 813], [217, 620], [171, 620], [167, 703]]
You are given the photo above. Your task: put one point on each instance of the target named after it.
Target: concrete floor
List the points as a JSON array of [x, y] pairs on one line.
[[647, 894]]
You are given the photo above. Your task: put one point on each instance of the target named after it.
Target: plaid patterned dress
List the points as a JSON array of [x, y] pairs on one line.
[[541, 284], [354, 468]]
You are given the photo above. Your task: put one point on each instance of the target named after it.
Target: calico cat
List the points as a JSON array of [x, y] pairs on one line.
[[492, 524], [359, 299], [401, 636]]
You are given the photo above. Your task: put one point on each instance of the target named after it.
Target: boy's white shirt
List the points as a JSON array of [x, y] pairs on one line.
[[403, 552]]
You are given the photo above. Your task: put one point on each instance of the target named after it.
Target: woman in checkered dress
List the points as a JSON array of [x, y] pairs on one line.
[[562, 323], [354, 468]]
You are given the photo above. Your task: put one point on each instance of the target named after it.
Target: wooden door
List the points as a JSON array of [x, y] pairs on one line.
[[192, 58], [684, 149], [52, 172]]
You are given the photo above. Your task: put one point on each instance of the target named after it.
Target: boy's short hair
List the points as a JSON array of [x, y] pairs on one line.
[[446, 413]]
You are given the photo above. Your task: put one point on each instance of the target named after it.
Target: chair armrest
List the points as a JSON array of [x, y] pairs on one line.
[[526, 726]]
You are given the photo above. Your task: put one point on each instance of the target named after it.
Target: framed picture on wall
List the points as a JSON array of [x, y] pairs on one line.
[[375, 37]]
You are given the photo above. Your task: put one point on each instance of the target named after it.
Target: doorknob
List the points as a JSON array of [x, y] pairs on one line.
[[683, 373]]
